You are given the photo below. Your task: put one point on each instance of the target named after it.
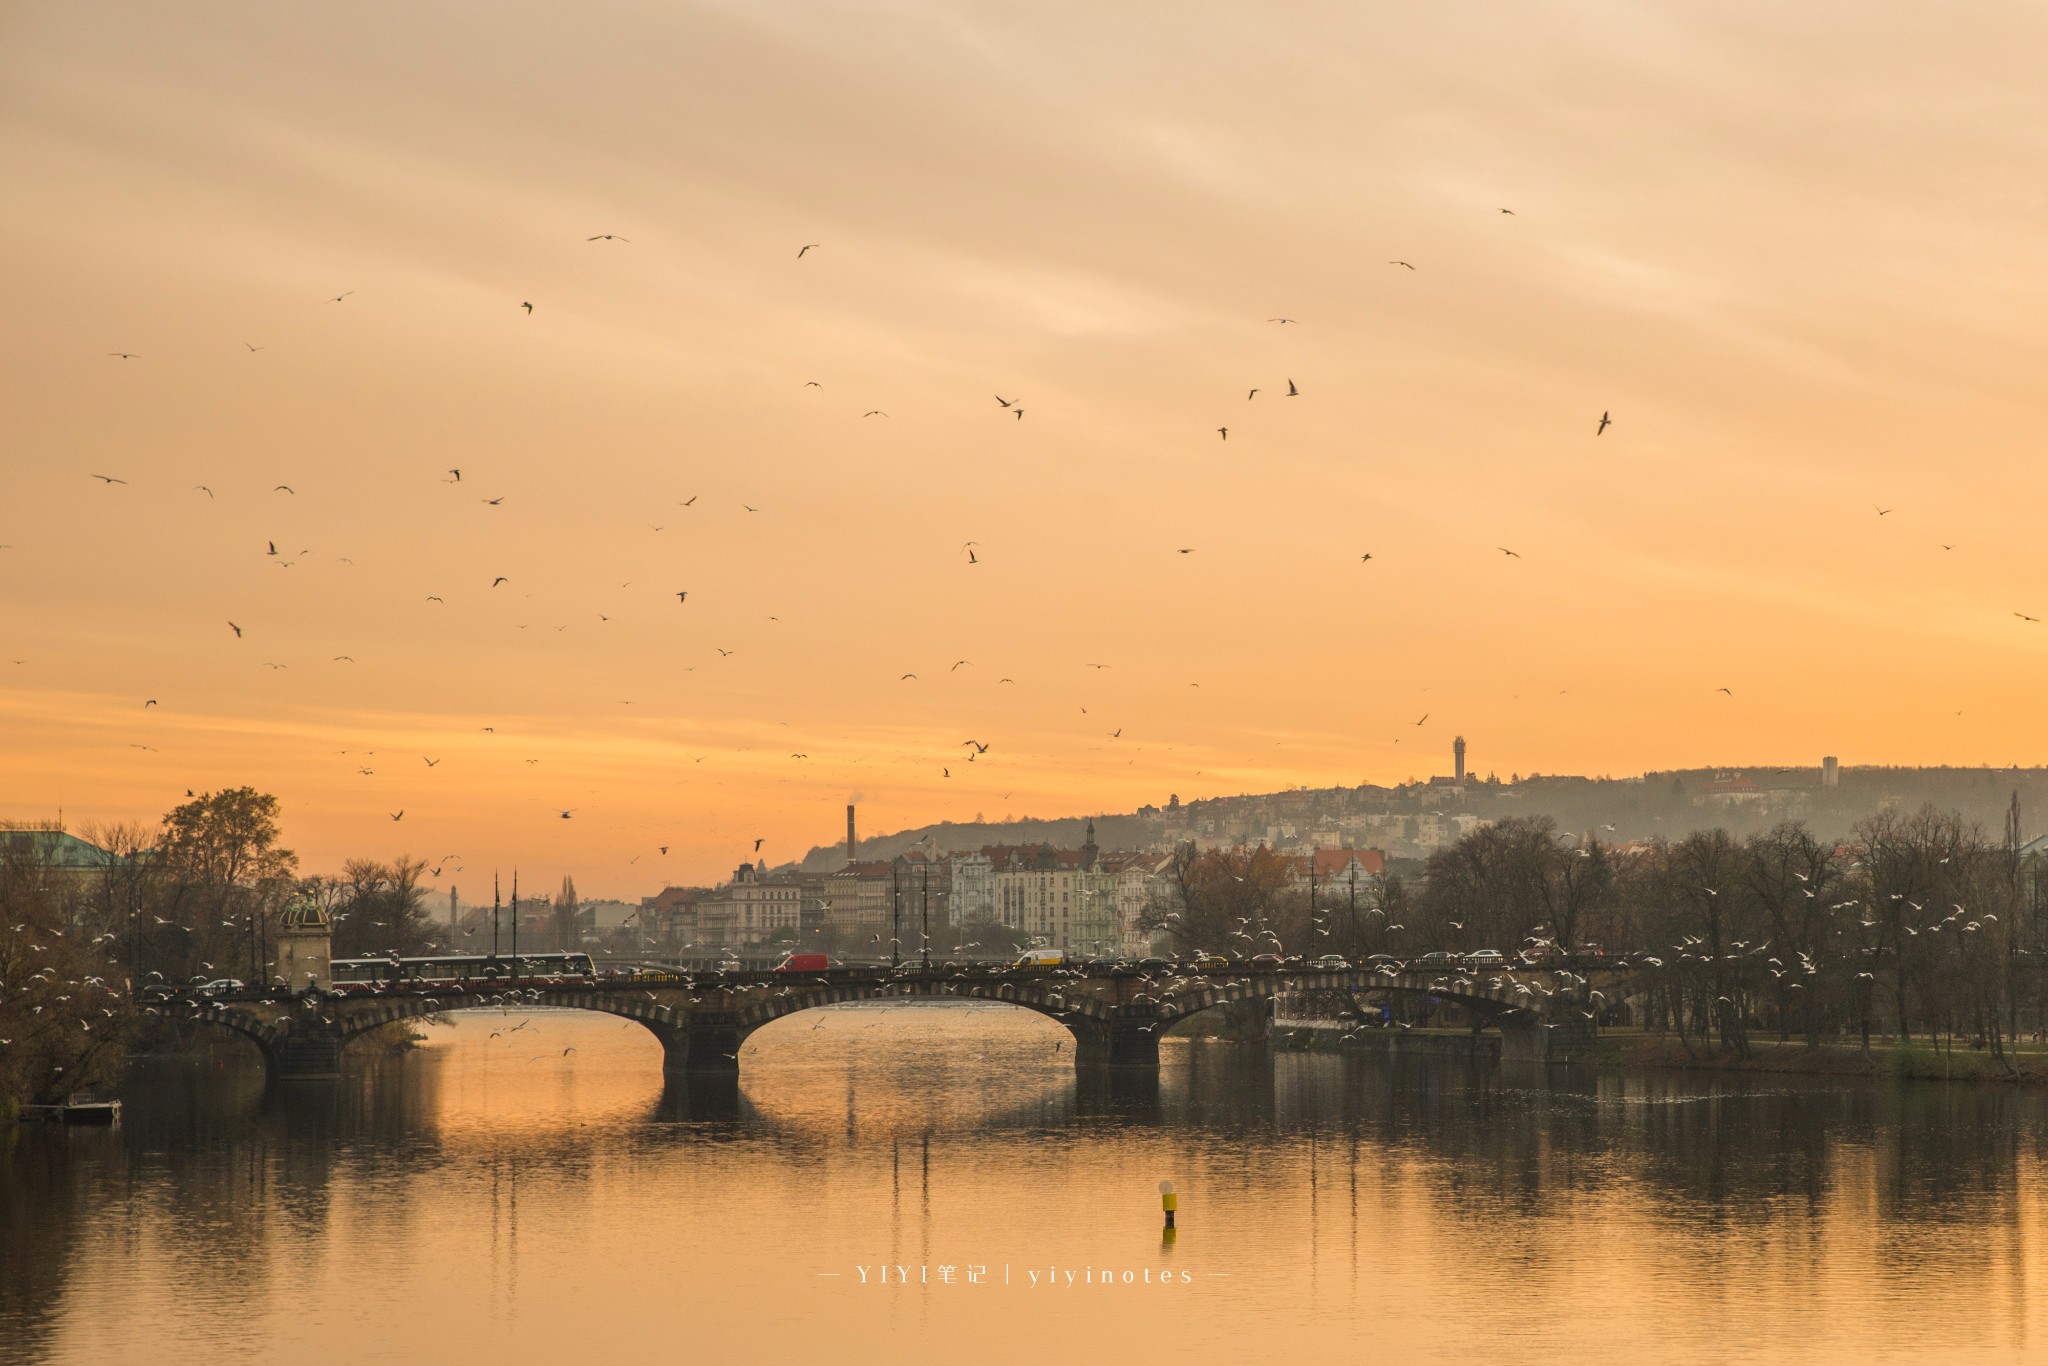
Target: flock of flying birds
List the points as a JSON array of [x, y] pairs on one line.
[[970, 550]]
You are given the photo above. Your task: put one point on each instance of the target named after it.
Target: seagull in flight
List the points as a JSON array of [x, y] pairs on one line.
[[1400, 263], [209, 493], [339, 297], [1605, 421], [607, 237], [286, 488], [1729, 691], [398, 815], [528, 308], [1882, 512], [1366, 556], [2024, 617], [957, 663], [125, 355], [1281, 320], [804, 248], [1511, 554], [110, 479], [1292, 392], [500, 579], [236, 629], [1224, 432], [1250, 395], [1005, 402], [683, 596], [906, 676], [874, 412]]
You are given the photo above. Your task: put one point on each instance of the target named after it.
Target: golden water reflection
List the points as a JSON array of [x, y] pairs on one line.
[[540, 1196]]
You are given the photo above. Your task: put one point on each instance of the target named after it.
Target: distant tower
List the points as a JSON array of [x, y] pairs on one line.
[[305, 947], [1458, 757], [1088, 849], [852, 845], [1830, 772]]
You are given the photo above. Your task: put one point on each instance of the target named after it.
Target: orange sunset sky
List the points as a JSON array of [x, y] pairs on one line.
[[1799, 252]]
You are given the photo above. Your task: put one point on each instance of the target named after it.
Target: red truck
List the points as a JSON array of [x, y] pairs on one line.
[[805, 962]]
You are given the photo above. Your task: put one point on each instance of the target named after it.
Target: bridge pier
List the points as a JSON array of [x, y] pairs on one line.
[[1124, 1042], [705, 1045], [309, 1049]]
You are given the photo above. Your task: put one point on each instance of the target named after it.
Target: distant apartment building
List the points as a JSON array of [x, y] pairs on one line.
[[754, 907], [973, 888], [1066, 898], [1142, 882]]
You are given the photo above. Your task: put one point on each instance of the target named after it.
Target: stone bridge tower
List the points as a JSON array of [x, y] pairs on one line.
[[305, 947]]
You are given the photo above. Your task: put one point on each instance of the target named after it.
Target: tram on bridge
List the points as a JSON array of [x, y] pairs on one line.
[[446, 969]]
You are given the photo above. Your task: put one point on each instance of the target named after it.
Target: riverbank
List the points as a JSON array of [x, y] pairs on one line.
[[1887, 1059]]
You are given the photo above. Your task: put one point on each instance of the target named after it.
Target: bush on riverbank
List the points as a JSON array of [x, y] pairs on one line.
[[1899, 1061]]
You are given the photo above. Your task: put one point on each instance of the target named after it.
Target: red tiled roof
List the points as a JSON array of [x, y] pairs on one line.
[[1330, 862]]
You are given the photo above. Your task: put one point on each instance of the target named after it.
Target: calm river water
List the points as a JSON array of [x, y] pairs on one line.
[[538, 1197]]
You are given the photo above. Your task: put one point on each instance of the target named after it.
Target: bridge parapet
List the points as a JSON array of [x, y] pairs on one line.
[[702, 1022]]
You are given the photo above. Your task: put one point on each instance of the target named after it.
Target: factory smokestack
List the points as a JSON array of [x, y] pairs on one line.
[[852, 845], [1458, 758]]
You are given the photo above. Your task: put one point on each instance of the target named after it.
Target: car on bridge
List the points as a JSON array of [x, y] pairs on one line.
[[1486, 958], [221, 986], [1206, 962], [1439, 959], [1333, 962], [1041, 959]]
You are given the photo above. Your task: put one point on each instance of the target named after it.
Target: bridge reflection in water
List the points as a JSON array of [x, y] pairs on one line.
[[1116, 1019], [525, 1185]]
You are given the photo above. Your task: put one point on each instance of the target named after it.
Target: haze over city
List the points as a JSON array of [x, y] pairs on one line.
[[1725, 323]]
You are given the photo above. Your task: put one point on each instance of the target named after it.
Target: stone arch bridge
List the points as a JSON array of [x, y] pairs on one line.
[[702, 1020]]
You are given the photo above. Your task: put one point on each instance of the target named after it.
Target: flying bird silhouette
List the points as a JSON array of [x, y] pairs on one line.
[[1224, 432], [804, 248], [528, 308], [236, 629], [500, 579], [110, 479], [1605, 423], [607, 237], [339, 297], [1292, 392], [1400, 263], [1511, 554]]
